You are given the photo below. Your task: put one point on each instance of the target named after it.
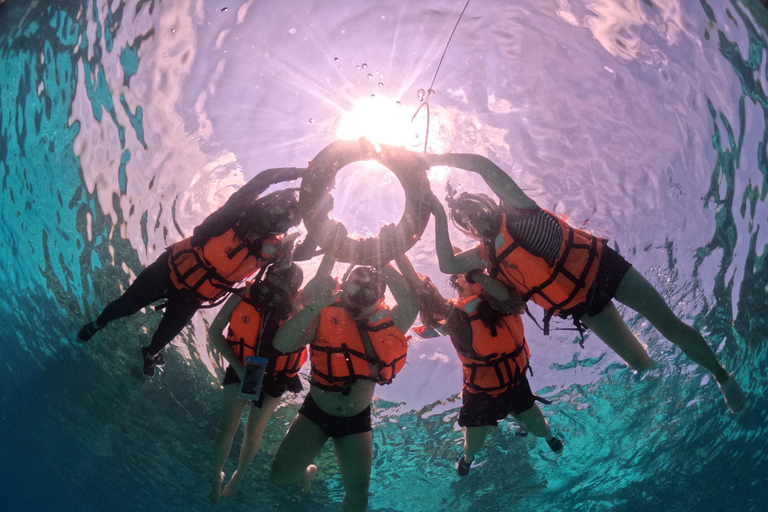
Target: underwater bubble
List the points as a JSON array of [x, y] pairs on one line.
[[292, 31], [365, 65], [381, 84], [397, 103], [223, 9], [335, 59], [370, 76], [420, 94], [173, 30], [357, 67], [311, 119], [373, 95]]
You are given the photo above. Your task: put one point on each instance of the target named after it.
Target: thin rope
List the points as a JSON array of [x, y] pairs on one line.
[[431, 91]]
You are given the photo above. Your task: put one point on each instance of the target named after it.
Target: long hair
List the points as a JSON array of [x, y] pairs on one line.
[[491, 310], [433, 308]]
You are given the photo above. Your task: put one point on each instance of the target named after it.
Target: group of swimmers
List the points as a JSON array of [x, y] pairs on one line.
[[356, 341]]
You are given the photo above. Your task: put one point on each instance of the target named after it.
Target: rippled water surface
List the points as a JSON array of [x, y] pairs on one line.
[[122, 124]]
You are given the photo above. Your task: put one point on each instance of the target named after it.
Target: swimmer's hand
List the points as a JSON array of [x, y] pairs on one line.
[[320, 292]]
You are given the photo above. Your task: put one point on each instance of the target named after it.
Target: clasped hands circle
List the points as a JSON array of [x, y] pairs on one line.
[[331, 235]]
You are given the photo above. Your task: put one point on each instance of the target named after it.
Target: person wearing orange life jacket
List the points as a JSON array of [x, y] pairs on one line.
[[251, 322], [355, 343], [230, 245], [565, 270], [486, 330]]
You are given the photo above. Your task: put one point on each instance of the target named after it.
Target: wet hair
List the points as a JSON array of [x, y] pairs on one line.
[[454, 281], [491, 310], [468, 207], [293, 275], [259, 217], [433, 308]]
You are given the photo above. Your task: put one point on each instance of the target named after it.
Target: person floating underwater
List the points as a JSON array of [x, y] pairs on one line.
[[355, 342], [229, 246], [253, 320], [566, 271], [486, 329]]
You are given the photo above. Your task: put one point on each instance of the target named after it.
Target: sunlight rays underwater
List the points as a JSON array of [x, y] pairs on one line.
[[122, 125]]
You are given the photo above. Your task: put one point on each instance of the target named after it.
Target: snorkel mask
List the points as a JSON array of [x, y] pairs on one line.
[[362, 288], [274, 213], [475, 215], [267, 294]]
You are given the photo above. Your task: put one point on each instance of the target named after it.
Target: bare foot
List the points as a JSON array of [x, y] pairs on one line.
[[306, 482], [233, 485], [216, 488]]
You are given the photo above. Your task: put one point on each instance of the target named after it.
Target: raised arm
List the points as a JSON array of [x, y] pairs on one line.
[[227, 216], [216, 334], [262, 182], [404, 313], [449, 262], [496, 288], [499, 181], [301, 328]]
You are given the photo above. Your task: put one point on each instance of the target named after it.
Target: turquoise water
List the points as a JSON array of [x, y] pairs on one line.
[[123, 123]]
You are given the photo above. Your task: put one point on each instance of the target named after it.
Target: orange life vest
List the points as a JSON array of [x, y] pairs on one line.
[[210, 270], [338, 353], [498, 357], [244, 334], [558, 288]]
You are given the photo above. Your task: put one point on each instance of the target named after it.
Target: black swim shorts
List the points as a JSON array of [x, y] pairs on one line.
[[482, 409], [610, 272], [336, 426], [273, 385]]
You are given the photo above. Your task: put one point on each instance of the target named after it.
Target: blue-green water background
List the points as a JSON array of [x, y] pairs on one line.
[[123, 123]]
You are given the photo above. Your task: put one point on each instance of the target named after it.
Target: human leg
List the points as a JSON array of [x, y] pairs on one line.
[[150, 285], [293, 461], [355, 454], [258, 417], [637, 293], [179, 311], [611, 329], [229, 421], [474, 438]]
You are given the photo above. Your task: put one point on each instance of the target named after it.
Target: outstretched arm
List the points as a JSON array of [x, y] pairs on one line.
[[261, 182], [228, 215], [499, 181], [449, 262], [301, 328], [216, 334], [404, 314], [496, 288]]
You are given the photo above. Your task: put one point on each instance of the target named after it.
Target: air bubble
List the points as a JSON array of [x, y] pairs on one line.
[[357, 67], [365, 65], [335, 59], [420, 94], [311, 119], [370, 76], [223, 9], [292, 31], [373, 95], [381, 84], [397, 103]]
